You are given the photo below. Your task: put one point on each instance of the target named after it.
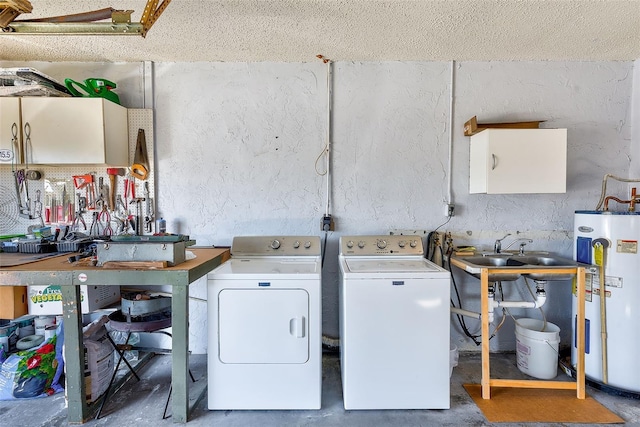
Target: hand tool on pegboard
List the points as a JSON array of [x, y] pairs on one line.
[[121, 215], [86, 181], [22, 190], [129, 188], [113, 173], [78, 219], [138, 219], [140, 166], [103, 191], [148, 219], [37, 208]]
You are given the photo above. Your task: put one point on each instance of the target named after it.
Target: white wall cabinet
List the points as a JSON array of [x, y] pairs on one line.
[[68, 130], [507, 161]]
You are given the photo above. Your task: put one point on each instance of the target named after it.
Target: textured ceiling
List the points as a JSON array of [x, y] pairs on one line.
[[343, 30]]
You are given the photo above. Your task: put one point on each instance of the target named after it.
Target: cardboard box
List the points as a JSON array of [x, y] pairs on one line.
[[13, 302], [48, 299]]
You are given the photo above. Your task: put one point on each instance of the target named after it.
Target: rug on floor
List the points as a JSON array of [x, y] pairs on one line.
[[529, 405]]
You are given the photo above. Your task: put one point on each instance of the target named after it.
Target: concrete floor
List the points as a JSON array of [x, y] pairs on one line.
[[141, 404]]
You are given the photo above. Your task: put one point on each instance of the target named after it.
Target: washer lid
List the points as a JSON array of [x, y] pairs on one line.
[[268, 267], [390, 265]]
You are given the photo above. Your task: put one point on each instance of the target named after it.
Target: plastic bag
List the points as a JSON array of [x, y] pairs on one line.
[[34, 372]]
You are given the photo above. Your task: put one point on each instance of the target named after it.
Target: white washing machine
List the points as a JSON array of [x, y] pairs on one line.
[[394, 325], [265, 326]]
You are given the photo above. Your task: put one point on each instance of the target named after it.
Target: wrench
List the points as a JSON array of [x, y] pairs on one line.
[[22, 188], [148, 219], [37, 208]]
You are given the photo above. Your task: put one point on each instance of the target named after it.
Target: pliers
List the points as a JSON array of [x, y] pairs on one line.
[[77, 219], [101, 225], [104, 219]]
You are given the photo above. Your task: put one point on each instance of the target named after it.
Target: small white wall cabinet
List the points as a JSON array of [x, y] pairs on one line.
[[508, 161], [71, 131]]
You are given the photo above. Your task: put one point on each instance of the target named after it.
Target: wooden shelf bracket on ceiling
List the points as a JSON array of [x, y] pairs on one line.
[[120, 24]]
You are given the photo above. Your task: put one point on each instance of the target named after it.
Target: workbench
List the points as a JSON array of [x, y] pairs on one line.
[[58, 271], [486, 381]]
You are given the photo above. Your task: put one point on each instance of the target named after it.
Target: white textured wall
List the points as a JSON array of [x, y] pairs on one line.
[[237, 144]]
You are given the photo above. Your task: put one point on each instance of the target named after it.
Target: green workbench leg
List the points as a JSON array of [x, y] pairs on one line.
[[180, 353], [74, 354]]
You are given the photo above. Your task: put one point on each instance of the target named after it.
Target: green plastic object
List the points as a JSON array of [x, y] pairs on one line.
[[93, 88]]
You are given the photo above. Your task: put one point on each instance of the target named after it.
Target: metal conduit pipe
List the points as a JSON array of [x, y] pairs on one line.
[[604, 186]]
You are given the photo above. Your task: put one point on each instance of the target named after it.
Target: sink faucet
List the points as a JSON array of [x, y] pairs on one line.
[[497, 246], [523, 243]]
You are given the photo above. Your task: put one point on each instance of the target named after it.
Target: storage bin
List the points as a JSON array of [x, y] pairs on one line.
[[36, 247]]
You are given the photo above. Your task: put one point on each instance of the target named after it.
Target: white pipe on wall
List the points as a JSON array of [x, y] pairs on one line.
[[464, 312], [450, 160], [329, 96]]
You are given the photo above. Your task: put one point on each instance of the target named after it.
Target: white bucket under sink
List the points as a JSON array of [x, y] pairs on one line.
[[537, 348]]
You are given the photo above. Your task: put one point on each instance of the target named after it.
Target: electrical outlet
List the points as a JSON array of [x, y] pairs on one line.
[[327, 224], [449, 210]]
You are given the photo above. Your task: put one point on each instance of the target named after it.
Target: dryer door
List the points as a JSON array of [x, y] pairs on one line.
[[263, 325]]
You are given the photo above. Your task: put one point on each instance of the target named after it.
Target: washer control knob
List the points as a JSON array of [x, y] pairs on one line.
[[307, 244], [413, 243], [361, 244], [350, 244], [402, 243], [381, 244], [296, 244], [275, 244]]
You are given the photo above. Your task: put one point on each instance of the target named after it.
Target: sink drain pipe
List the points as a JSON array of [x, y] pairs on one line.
[[464, 312], [540, 299]]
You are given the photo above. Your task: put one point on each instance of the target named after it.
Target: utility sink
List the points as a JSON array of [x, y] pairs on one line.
[[531, 261], [473, 264], [546, 261]]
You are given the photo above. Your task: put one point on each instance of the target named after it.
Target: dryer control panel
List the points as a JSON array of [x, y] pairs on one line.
[[244, 246], [386, 245]]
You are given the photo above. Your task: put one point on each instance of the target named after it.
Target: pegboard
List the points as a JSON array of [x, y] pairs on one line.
[[57, 181]]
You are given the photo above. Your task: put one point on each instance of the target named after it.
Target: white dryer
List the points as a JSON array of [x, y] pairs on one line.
[[265, 326], [394, 325]]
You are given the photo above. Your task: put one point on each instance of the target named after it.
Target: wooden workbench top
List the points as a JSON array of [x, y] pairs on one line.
[[61, 263], [58, 270]]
